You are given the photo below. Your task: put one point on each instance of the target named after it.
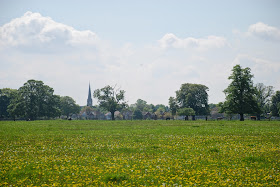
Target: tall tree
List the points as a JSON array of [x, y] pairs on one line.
[[161, 107], [193, 96], [151, 108], [53, 107], [6, 96], [68, 106], [16, 107], [240, 93], [173, 105], [263, 96], [275, 104], [35, 100], [141, 104], [110, 99]]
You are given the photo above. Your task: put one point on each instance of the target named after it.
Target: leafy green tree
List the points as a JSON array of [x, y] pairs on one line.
[[173, 105], [160, 112], [6, 96], [137, 114], [151, 108], [35, 100], [16, 107], [141, 104], [186, 112], [110, 99], [193, 96], [263, 96], [68, 106], [223, 108], [211, 105], [53, 107], [240, 94], [161, 107], [275, 104]]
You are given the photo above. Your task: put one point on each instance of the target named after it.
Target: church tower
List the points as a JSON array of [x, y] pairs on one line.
[[89, 100]]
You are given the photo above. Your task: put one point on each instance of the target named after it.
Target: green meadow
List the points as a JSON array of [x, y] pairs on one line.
[[139, 153]]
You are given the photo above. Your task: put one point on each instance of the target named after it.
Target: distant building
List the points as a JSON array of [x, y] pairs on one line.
[[147, 115], [89, 100], [127, 115], [108, 116]]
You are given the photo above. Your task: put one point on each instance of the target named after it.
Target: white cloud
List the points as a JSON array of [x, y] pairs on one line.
[[253, 62], [37, 47], [33, 30], [264, 71], [143, 72], [170, 40], [264, 31]]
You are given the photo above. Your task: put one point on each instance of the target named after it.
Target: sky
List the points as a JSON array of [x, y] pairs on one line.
[[147, 48]]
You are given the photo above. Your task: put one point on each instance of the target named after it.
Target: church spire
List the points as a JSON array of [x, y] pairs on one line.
[[89, 100]]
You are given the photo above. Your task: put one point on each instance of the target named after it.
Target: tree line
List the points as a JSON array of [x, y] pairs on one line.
[[35, 100], [243, 97]]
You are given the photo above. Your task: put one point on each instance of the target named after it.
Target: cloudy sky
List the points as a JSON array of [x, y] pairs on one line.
[[147, 48]]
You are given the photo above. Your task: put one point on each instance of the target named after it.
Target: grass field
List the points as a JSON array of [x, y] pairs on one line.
[[140, 153]]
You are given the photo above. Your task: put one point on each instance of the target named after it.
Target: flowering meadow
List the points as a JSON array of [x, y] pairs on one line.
[[139, 153]]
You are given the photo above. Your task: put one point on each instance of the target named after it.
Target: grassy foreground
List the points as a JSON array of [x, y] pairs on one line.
[[139, 153]]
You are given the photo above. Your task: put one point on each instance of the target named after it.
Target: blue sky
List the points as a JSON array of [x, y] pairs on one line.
[[148, 48]]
